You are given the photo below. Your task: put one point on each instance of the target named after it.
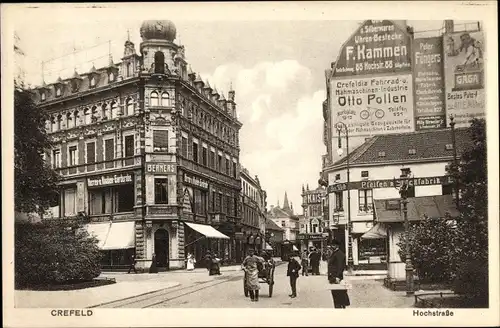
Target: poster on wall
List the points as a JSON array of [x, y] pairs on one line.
[[464, 76], [377, 47], [429, 84], [374, 105]]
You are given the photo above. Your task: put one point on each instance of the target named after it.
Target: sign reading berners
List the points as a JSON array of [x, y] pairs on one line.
[[160, 168]]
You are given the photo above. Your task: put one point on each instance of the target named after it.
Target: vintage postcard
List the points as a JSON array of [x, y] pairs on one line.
[[250, 164]]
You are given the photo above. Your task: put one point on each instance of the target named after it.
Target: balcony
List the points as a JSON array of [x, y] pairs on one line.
[[101, 167]]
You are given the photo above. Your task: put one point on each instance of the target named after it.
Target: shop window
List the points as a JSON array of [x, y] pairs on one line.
[[365, 197], [124, 196], [159, 63], [129, 146], [161, 191], [90, 158], [184, 147], [204, 156], [195, 152], [200, 201], [339, 201], [72, 155], [101, 201], [160, 140], [70, 202], [130, 107], [56, 158], [153, 98]]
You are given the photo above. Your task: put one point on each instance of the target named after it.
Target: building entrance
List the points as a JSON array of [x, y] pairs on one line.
[[162, 244]]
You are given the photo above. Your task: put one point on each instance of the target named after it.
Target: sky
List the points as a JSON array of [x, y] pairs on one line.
[[276, 66]]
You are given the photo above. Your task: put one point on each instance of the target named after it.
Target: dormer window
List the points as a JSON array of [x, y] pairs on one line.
[[58, 91], [92, 81], [43, 96], [111, 77]]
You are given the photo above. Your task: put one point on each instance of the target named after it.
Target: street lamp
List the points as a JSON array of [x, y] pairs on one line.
[[341, 126], [455, 164], [404, 184]]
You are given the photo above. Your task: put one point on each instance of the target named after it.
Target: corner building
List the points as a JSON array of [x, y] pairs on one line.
[[149, 153]]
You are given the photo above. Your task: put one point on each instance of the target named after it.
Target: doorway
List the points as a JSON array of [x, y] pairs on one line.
[[162, 244]]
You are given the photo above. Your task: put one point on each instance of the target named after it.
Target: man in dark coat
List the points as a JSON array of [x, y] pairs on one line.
[[132, 264], [314, 259], [336, 267], [293, 272]]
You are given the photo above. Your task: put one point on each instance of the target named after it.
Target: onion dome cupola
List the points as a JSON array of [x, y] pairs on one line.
[[158, 30]]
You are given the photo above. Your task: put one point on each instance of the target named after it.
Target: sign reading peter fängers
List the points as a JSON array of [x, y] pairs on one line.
[[377, 47], [109, 180]]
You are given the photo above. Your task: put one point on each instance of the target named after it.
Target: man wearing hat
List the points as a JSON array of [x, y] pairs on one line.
[[336, 267]]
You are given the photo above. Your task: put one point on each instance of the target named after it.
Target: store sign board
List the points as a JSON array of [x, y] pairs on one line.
[[195, 181], [110, 180], [390, 183], [160, 168], [464, 76], [429, 84], [373, 105], [377, 47]]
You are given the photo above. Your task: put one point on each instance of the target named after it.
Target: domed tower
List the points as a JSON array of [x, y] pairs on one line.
[[159, 52]]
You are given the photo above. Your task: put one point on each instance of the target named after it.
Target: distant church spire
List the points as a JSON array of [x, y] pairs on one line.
[[286, 206]]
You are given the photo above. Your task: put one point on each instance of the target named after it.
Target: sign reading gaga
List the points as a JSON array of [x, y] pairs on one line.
[[371, 88]]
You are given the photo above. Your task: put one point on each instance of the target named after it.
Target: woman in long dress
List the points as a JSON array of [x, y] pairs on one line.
[[250, 266], [190, 262]]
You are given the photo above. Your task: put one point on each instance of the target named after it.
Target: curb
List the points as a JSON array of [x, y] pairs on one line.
[[174, 284]]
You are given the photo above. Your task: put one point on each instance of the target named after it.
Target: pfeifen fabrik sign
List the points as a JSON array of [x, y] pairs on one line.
[[390, 183], [377, 47], [110, 180]]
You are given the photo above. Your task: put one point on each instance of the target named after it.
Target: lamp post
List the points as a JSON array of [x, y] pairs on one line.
[[455, 164], [341, 126], [403, 191]]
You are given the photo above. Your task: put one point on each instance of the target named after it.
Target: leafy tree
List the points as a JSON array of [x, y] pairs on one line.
[[35, 181]]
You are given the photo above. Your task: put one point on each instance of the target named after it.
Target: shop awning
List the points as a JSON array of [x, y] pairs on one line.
[[378, 231], [99, 231], [207, 231], [120, 236], [388, 210], [268, 247]]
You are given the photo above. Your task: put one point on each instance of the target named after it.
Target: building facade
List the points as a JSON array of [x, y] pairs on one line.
[[312, 223], [149, 153], [285, 218], [374, 169], [253, 215]]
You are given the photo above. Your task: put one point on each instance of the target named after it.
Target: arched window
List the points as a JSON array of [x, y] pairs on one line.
[[87, 116], [76, 117], [114, 110], [111, 77], [130, 107], [106, 112], [53, 124], [58, 91], [154, 98], [70, 122], [92, 81], [165, 99], [48, 126], [43, 96], [59, 121], [159, 63], [94, 114]]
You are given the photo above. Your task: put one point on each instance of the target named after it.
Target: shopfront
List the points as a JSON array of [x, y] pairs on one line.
[[111, 193], [201, 239]]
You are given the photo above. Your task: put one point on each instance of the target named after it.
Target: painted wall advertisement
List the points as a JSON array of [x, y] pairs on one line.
[[376, 47], [429, 84], [464, 76], [373, 105]]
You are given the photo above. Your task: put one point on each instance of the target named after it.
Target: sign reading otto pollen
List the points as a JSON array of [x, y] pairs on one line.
[[373, 105], [377, 47], [109, 180]]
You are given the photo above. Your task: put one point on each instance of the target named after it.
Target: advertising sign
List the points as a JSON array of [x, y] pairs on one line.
[[110, 180], [390, 183], [429, 84], [160, 168], [464, 76], [195, 181], [373, 105], [377, 47]]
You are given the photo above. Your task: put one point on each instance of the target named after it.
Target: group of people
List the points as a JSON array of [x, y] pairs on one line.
[[312, 258]]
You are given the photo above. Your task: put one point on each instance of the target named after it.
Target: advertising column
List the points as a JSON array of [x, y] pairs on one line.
[[429, 84], [464, 76]]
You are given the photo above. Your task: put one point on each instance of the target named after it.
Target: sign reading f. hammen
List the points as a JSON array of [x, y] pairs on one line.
[[376, 47]]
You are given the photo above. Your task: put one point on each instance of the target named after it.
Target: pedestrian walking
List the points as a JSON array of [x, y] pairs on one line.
[[215, 265], [293, 272], [190, 262], [304, 261], [132, 264], [336, 267], [153, 268], [314, 259], [208, 261], [251, 267]]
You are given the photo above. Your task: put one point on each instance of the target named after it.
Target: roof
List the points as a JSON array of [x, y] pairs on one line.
[[270, 225], [388, 210], [427, 145], [279, 212]]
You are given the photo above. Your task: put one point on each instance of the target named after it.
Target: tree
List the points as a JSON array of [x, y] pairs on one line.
[[35, 181], [472, 225]]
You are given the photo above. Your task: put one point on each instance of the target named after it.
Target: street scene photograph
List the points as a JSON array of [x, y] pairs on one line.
[[162, 161]]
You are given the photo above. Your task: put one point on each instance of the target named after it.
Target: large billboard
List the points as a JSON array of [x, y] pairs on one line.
[[373, 105], [377, 47], [464, 76], [429, 84]]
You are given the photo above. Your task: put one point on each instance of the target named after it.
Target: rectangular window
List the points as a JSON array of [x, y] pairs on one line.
[[283, 224], [204, 156], [228, 205], [56, 158], [200, 201], [219, 163], [161, 191], [124, 196], [365, 197], [101, 201], [364, 174], [160, 140], [69, 202], [228, 167], [212, 159], [195, 152], [219, 202], [72, 152], [234, 170], [235, 206], [109, 149], [184, 147], [339, 201], [91, 153], [129, 146]]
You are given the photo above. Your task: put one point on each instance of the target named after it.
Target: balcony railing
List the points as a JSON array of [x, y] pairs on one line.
[[124, 162]]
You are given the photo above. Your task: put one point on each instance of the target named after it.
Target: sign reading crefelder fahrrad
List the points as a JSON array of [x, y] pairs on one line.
[[371, 89]]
